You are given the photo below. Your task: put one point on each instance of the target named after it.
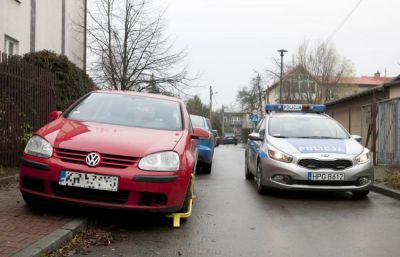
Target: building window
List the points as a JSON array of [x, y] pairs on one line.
[[10, 45], [236, 119]]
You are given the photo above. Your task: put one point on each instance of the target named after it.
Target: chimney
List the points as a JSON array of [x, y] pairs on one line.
[[377, 74]]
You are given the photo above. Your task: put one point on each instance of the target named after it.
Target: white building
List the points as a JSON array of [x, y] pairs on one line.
[[34, 25]]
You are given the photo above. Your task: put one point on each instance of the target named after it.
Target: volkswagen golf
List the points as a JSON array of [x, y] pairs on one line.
[[113, 149]]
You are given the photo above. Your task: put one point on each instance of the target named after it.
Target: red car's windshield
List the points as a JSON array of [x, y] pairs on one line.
[[128, 110]]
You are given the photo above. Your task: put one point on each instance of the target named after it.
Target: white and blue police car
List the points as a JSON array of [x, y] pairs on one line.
[[298, 147]]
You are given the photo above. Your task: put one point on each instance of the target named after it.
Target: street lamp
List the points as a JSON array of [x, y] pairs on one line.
[[282, 51]]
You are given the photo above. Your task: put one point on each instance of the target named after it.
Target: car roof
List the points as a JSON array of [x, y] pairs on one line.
[[123, 92]]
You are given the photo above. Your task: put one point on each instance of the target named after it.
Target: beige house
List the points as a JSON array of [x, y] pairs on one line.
[[34, 25], [300, 87], [373, 114], [347, 110]]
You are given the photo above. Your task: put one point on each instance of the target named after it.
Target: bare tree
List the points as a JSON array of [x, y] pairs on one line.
[[323, 66], [128, 50], [251, 97], [313, 74]]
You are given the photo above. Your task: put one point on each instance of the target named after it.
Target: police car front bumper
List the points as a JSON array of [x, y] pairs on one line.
[[300, 179]]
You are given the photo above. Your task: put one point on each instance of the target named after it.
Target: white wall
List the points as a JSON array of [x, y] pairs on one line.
[[74, 19], [48, 25], [15, 22]]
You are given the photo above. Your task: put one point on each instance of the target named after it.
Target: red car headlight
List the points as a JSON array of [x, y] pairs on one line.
[[162, 161], [38, 146]]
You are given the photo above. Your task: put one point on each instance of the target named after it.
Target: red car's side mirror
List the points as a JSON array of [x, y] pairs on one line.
[[200, 133], [54, 115]]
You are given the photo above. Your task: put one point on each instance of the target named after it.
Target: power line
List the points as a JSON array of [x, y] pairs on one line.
[[341, 24]]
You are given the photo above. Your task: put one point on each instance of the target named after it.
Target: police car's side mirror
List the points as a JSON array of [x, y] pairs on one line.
[[357, 138], [255, 137], [262, 134]]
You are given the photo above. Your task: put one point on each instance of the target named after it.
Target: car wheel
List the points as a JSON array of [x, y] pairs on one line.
[[185, 206], [207, 168], [260, 186], [186, 203], [247, 172], [360, 194], [31, 202]]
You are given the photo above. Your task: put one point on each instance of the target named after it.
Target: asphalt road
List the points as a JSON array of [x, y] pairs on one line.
[[231, 219]]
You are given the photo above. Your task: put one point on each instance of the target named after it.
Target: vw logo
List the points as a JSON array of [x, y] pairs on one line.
[[93, 159]]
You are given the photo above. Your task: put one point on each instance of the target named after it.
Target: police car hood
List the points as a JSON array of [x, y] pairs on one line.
[[313, 145]]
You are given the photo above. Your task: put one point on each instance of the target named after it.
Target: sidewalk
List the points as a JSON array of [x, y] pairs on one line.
[[380, 186], [24, 232]]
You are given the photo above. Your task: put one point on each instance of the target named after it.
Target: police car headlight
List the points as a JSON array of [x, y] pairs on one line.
[[163, 161], [364, 157], [278, 155], [39, 147]]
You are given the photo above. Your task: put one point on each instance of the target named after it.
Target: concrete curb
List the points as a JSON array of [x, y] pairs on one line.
[[9, 179], [54, 239], [382, 189]]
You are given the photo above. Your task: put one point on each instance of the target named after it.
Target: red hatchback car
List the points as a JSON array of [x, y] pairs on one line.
[[114, 149]]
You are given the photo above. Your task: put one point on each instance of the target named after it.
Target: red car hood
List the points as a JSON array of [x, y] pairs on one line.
[[107, 138]]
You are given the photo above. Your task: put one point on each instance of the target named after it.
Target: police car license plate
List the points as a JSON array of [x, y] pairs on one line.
[[325, 176], [86, 180]]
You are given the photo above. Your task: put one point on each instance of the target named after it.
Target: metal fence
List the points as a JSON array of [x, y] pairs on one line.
[[388, 136], [27, 96], [387, 125]]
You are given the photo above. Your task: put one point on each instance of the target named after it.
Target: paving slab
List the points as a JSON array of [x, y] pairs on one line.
[[25, 232]]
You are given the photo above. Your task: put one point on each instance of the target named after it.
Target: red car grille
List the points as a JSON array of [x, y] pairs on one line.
[[107, 160]]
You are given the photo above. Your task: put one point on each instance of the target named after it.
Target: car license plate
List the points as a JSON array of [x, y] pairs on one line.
[[325, 176], [87, 180]]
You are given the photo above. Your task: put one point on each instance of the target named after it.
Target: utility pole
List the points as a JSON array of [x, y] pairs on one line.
[[223, 122], [282, 51], [259, 95], [211, 95]]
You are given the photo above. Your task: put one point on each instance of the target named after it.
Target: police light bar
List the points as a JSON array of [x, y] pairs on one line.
[[315, 108]]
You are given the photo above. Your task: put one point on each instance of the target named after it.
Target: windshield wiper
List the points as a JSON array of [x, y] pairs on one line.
[[278, 136]]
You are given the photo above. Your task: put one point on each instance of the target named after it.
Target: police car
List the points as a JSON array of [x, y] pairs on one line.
[[298, 147]]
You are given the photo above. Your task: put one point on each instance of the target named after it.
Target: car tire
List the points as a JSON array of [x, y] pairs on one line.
[[186, 202], [360, 194], [207, 168], [31, 202], [260, 187], [248, 175]]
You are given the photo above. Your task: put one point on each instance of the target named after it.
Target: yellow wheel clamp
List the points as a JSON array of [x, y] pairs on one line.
[[176, 217]]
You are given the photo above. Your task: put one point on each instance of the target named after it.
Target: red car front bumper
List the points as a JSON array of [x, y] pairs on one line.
[[137, 189]]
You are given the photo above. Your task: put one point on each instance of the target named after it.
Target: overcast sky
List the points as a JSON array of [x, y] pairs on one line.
[[227, 40]]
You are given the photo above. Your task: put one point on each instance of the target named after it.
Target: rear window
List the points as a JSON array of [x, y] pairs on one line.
[[306, 127], [128, 110]]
